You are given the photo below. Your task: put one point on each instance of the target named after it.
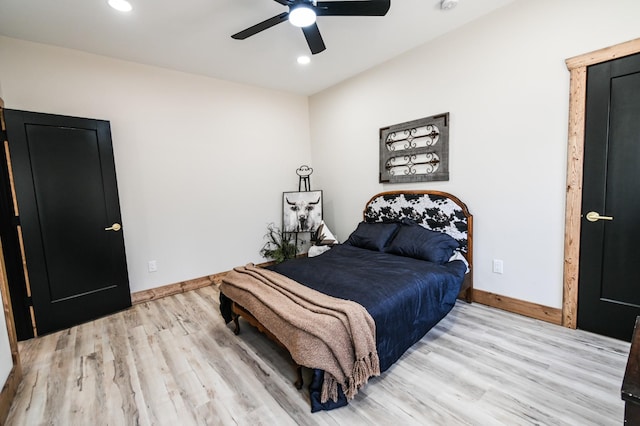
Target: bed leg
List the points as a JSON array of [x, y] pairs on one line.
[[299, 382], [236, 329], [469, 295]]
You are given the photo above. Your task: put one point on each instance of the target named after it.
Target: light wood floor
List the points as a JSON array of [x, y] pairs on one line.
[[174, 362]]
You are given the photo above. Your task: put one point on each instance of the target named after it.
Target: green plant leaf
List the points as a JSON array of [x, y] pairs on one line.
[[278, 246]]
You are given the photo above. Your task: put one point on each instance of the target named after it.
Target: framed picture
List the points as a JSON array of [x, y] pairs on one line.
[[301, 211]]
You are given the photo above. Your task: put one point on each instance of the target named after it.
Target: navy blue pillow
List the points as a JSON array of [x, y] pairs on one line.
[[421, 243], [373, 236]]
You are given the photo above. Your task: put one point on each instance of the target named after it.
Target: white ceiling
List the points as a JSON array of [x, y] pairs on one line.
[[194, 36]]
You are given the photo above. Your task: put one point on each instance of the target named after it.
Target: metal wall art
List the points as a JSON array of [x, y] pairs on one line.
[[304, 177], [415, 151]]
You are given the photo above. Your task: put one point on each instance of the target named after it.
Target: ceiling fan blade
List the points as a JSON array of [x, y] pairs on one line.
[[314, 39], [353, 8], [261, 26], [283, 2]]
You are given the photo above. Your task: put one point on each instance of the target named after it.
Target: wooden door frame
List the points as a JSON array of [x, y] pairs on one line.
[[10, 386], [575, 155]]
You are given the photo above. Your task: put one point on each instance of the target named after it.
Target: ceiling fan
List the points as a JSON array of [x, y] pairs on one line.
[[302, 13]]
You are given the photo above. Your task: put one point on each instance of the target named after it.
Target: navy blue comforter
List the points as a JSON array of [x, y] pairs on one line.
[[406, 297]]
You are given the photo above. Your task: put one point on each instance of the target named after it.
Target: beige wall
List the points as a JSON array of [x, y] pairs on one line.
[[505, 84], [201, 163]]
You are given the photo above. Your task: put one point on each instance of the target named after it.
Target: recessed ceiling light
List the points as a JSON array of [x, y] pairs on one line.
[[302, 16], [121, 5], [304, 60]]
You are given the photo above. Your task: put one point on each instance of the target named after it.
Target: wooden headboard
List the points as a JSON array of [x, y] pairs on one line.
[[435, 210]]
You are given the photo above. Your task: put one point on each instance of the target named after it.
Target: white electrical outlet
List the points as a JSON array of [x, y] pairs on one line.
[[153, 266], [498, 266]]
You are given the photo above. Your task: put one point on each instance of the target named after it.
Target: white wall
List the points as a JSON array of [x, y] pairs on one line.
[[6, 361], [201, 163], [504, 81]]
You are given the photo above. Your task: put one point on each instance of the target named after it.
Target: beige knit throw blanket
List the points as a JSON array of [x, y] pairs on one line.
[[320, 331]]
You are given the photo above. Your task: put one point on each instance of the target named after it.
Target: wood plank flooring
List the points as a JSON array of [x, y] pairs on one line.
[[173, 362]]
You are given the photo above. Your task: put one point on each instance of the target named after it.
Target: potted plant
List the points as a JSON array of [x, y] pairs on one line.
[[280, 245]]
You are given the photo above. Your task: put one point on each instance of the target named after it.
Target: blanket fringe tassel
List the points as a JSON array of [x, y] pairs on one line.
[[363, 369]]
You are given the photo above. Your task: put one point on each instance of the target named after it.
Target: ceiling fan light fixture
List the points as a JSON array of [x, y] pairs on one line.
[[302, 16]]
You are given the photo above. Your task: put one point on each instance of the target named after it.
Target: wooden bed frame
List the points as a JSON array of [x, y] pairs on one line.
[[400, 200], [437, 224]]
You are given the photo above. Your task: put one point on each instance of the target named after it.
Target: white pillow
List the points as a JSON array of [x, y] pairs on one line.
[[325, 236], [317, 250]]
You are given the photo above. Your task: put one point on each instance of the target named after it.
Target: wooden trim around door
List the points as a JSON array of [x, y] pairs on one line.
[[23, 256], [15, 375], [575, 156], [10, 386]]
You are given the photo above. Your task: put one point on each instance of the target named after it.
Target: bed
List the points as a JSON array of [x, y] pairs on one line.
[[398, 274]]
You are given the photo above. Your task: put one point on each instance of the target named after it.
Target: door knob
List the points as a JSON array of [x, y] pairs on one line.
[[595, 216], [115, 227]]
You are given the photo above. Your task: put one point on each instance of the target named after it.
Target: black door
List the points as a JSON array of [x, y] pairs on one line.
[[68, 206], [609, 282]]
